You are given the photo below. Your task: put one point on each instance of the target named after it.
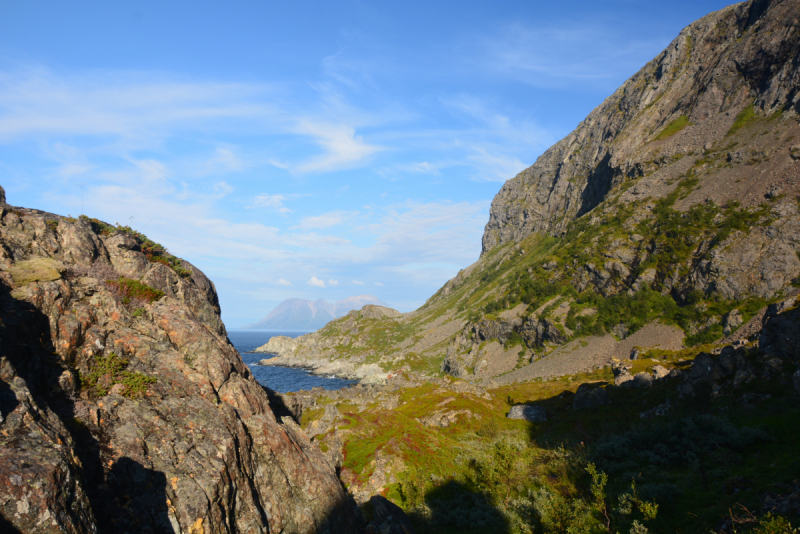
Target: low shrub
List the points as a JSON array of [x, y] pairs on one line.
[[131, 290], [109, 371], [677, 443]]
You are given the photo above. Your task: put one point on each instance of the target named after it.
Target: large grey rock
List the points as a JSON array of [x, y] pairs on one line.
[[587, 397], [623, 379], [535, 414], [620, 368], [731, 321], [704, 368], [659, 372], [730, 359], [642, 380], [278, 345], [388, 518]]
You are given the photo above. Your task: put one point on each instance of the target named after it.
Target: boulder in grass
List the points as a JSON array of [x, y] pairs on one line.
[[534, 414], [589, 397]]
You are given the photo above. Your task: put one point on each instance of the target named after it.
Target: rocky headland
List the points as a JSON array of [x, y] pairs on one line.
[[124, 407]]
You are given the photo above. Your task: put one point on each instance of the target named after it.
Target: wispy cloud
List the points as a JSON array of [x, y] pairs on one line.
[[314, 281], [556, 56], [358, 283], [35, 101], [272, 201], [378, 284], [342, 147], [333, 282], [326, 220], [284, 282]]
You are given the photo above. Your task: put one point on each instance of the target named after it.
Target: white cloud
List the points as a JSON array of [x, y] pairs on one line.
[[284, 282], [34, 101], [222, 189], [356, 282], [343, 148], [333, 282], [314, 281], [272, 201], [378, 284], [326, 220], [225, 160], [498, 168]]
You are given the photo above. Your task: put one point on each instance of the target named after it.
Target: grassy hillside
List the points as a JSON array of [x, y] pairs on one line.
[[708, 458]]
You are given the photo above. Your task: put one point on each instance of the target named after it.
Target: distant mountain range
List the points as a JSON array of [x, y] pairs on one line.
[[302, 314]]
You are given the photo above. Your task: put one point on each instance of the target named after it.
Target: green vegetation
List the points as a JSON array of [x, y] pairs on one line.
[[674, 238], [130, 290], [98, 226], [745, 117], [155, 252], [109, 371], [748, 117], [673, 127], [602, 470], [53, 225]]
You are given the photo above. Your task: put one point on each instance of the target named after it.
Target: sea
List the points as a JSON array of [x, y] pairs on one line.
[[280, 379]]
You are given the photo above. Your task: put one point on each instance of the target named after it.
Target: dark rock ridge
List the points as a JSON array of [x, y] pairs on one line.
[[717, 66], [121, 414]]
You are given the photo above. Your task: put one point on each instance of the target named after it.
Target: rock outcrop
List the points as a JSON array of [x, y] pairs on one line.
[[314, 351], [124, 407], [683, 101]]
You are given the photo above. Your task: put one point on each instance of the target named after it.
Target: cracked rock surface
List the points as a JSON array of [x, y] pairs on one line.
[[180, 438]]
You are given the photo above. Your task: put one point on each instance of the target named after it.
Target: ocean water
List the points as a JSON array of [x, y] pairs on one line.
[[280, 379]]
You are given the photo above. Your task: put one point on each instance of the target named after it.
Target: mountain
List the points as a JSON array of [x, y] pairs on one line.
[[124, 406], [668, 218], [302, 314], [635, 304]]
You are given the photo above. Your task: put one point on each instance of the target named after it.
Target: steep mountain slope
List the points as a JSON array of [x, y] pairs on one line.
[[303, 314], [683, 101], [124, 407], [668, 217]]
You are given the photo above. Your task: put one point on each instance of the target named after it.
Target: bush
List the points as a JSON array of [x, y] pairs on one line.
[[134, 290], [558, 515], [770, 524], [109, 371], [675, 444]]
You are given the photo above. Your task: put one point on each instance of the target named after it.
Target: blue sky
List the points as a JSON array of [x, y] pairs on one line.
[[305, 149]]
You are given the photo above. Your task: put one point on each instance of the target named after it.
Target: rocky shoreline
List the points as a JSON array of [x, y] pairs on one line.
[[283, 349]]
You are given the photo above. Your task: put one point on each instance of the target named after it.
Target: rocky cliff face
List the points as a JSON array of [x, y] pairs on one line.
[[124, 407], [684, 101], [673, 206]]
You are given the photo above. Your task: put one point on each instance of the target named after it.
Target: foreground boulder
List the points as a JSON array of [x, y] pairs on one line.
[[124, 407], [534, 414]]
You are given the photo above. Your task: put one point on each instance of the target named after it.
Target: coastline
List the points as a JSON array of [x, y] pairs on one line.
[[364, 374]]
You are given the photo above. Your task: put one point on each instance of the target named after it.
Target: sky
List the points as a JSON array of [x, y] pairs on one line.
[[308, 149]]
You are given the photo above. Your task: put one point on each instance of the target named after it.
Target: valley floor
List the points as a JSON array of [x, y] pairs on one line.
[[712, 444]]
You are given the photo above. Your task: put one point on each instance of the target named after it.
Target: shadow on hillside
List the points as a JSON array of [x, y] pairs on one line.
[[6, 527], [456, 508]]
